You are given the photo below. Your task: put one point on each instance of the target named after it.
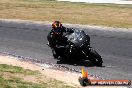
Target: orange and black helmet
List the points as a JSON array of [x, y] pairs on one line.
[[57, 27], [56, 24]]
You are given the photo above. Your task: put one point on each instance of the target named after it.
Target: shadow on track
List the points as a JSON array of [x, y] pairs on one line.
[[79, 63]]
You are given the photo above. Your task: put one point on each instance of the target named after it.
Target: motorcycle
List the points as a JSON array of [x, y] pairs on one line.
[[79, 48]]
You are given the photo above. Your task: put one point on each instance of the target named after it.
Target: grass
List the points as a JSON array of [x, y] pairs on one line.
[[77, 13], [17, 77], [15, 69]]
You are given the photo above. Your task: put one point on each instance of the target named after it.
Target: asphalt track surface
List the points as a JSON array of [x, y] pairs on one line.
[[115, 47]]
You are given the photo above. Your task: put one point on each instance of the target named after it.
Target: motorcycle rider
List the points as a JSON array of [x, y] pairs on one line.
[[57, 41]]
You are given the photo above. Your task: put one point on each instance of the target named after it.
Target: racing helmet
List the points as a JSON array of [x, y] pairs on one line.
[[57, 27]]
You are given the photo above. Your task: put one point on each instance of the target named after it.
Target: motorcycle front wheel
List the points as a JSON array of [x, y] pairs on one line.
[[95, 58]]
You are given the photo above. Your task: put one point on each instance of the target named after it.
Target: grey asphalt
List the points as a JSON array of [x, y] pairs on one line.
[[115, 47]]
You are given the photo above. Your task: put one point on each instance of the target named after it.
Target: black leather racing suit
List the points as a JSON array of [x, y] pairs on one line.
[[58, 42]]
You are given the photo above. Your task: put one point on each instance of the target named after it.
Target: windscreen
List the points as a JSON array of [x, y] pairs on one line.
[[78, 37]]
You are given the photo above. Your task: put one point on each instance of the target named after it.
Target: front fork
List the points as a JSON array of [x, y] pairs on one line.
[[86, 52]]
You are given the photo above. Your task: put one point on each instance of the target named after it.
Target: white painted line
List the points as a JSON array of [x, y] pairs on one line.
[[101, 1]]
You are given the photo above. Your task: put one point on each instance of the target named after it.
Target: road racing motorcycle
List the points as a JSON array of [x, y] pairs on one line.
[[79, 48]]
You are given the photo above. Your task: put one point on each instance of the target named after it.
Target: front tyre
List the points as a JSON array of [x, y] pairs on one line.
[[97, 61], [96, 58]]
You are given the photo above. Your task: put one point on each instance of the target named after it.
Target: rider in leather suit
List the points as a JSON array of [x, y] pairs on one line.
[[57, 41]]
